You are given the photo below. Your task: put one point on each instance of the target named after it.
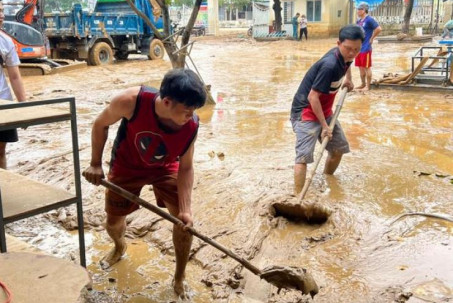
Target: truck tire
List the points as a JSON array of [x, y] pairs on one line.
[[156, 50], [100, 54]]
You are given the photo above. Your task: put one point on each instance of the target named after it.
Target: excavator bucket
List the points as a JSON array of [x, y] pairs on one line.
[[32, 52], [50, 67]]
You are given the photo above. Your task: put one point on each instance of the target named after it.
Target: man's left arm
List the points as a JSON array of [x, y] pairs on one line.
[[185, 185], [16, 82]]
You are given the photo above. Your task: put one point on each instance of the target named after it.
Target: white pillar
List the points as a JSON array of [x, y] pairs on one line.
[[213, 17]]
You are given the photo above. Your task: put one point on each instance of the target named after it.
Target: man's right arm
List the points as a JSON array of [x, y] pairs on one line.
[[16, 82], [321, 85], [121, 106], [313, 98]]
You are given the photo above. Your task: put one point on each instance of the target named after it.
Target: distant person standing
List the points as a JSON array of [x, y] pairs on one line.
[[303, 27], [9, 58], [448, 29], [363, 60], [295, 23]]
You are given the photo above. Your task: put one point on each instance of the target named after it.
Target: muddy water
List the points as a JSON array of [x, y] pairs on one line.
[[243, 161]]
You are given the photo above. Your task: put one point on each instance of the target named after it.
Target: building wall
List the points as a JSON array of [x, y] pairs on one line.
[[334, 15], [448, 11]]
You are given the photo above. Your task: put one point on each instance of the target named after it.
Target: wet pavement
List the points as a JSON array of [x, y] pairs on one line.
[[401, 161]]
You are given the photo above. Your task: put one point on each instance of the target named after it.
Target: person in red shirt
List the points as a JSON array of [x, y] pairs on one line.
[[311, 110], [154, 145]]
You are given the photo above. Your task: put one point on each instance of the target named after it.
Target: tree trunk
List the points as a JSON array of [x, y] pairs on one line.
[[407, 17], [277, 7], [177, 58]]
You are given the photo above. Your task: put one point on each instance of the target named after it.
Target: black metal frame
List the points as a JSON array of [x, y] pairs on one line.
[[75, 152], [444, 70]]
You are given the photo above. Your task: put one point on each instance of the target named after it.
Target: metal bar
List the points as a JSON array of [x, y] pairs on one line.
[[35, 122], [201, 78], [434, 69], [78, 192], [431, 57], [189, 46], [184, 47], [40, 210], [417, 87], [2, 227], [34, 103], [75, 155], [174, 34]]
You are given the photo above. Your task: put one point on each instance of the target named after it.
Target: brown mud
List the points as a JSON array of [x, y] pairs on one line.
[[243, 164]]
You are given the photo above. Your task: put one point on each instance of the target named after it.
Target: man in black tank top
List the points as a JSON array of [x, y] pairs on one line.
[[154, 145]]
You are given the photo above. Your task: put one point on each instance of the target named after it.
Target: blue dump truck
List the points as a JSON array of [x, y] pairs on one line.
[[112, 30]]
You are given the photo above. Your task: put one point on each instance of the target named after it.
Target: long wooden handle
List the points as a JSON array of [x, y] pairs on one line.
[[131, 197], [324, 142]]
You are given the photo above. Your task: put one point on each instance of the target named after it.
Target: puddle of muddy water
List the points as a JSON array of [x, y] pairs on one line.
[[355, 257], [143, 275]]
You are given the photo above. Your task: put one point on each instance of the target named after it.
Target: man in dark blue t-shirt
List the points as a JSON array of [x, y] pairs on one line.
[[363, 60], [295, 23], [311, 109]]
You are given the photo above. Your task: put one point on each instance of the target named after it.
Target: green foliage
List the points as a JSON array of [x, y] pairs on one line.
[[182, 2], [63, 5], [228, 3], [234, 3]]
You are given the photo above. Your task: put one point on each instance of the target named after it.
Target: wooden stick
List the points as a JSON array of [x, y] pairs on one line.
[[395, 80], [440, 53], [416, 71], [131, 197], [325, 140], [436, 216]]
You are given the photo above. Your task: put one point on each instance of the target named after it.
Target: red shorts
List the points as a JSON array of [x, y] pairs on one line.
[[363, 60], [164, 187]]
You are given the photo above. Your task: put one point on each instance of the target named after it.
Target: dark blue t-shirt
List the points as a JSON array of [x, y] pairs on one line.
[[369, 25], [325, 76]]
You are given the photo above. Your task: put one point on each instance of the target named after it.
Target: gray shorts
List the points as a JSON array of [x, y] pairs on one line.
[[307, 132]]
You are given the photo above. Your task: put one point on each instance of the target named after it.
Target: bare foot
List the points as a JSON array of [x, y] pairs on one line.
[[360, 87], [113, 256], [181, 289], [363, 89]]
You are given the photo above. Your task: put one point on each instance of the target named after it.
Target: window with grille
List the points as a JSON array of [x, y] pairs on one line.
[[288, 12], [313, 11]]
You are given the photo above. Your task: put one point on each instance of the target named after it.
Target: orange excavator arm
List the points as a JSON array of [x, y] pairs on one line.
[[25, 15]]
